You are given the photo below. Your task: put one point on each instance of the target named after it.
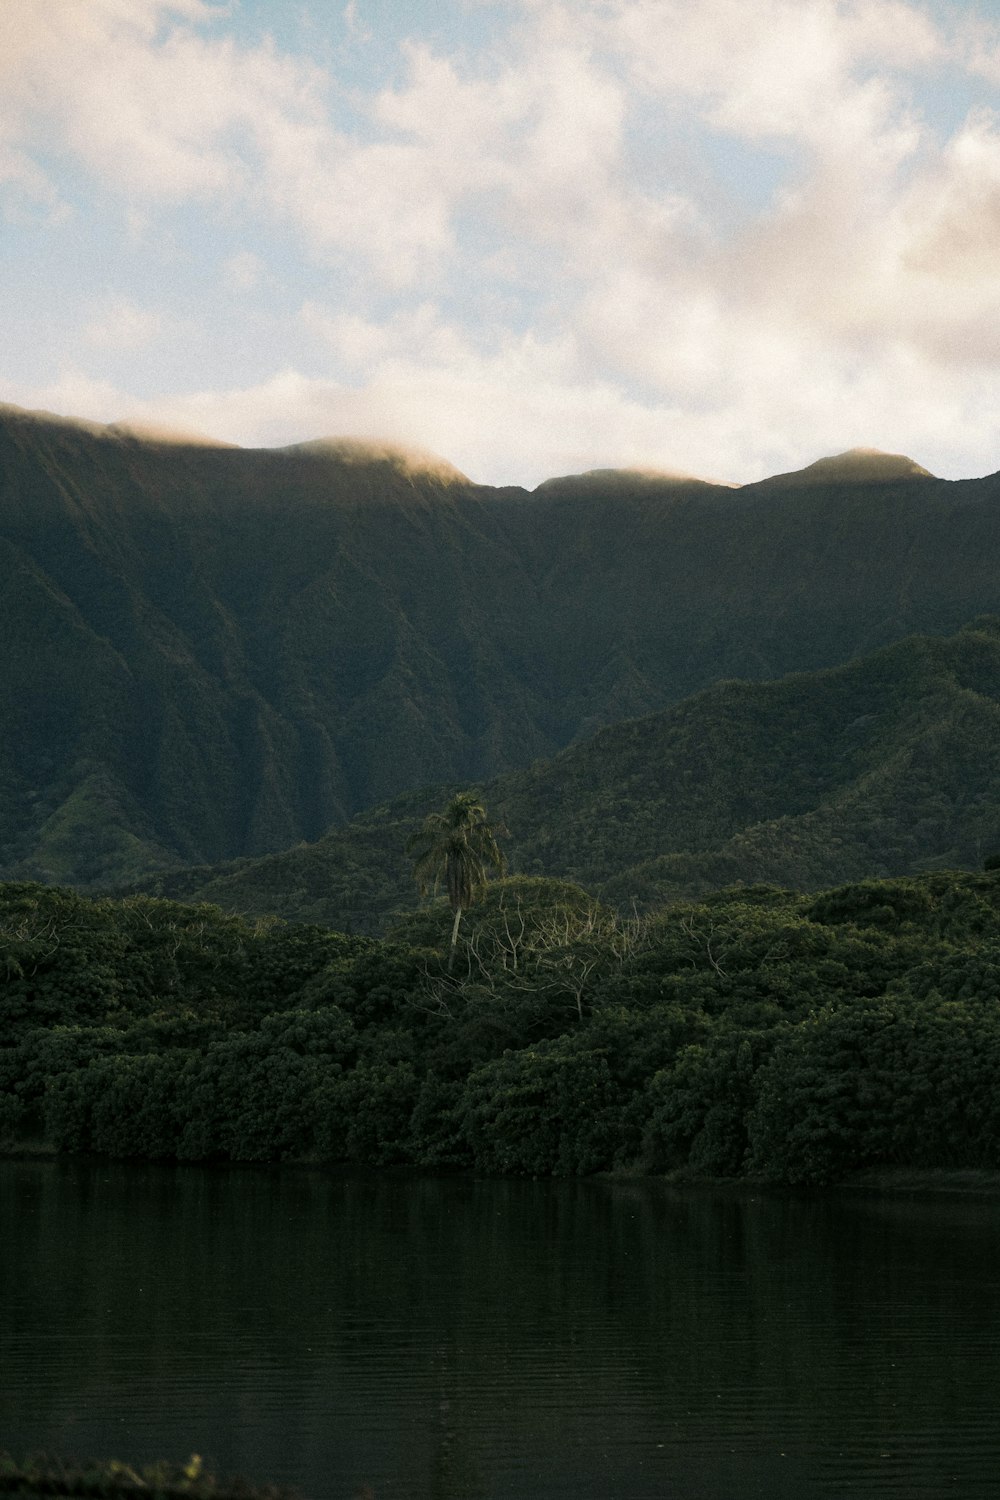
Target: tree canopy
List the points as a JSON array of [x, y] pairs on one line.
[[766, 1033]]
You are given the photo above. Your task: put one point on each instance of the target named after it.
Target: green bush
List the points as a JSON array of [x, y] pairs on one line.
[[546, 1110], [893, 1081]]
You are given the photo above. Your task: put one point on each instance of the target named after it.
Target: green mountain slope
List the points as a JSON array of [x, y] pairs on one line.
[[886, 766], [213, 652]]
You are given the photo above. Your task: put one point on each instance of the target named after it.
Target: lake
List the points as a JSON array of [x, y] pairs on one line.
[[443, 1339]]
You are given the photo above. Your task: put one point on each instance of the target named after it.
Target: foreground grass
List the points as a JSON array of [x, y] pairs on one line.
[[45, 1475]]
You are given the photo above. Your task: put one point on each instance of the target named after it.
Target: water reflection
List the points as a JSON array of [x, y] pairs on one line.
[[455, 1339]]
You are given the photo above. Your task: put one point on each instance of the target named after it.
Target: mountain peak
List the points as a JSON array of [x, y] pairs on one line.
[[856, 466], [622, 479], [408, 460]]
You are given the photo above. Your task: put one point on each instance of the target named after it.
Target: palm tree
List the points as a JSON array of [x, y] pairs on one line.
[[456, 847]]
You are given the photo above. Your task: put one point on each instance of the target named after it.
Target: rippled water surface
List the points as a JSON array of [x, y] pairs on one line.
[[444, 1339]]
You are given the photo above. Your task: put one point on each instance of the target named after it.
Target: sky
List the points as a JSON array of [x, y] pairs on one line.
[[717, 237]]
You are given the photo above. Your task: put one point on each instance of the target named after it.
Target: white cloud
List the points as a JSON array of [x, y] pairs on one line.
[[243, 270], [525, 410], [976, 44], [119, 325], [355, 27], [420, 333], [196, 117], [795, 69], [954, 211], [563, 293]]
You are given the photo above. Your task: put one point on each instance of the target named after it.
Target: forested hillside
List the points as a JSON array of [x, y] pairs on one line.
[[888, 765], [213, 652]]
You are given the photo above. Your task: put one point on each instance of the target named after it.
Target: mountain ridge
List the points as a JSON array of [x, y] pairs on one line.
[[212, 652], [853, 465]]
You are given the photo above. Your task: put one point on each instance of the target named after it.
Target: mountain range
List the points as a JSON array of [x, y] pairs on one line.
[[216, 653], [889, 765]]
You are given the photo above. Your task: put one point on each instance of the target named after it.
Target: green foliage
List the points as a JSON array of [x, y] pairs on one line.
[[39, 1058], [372, 983], [695, 1114], [119, 1105], [550, 1109], [437, 1133], [887, 1082], [788, 1037], [455, 849], [76, 961], [377, 1101]]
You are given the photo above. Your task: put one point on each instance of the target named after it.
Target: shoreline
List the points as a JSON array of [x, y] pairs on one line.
[[927, 1182]]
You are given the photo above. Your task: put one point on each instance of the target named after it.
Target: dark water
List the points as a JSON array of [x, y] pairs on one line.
[[453, 1338]]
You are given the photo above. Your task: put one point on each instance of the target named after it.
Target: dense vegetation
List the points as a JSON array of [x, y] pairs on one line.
[[212, 653], [889, 765], [790, 1037], [103, 1479]]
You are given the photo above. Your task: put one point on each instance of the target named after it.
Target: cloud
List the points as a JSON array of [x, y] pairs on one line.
[[537, 255], [120, 325], [243, 270], [976, 44], [355, 27], [955, 208], [800, 70], [530, 144], [189, 116], [875, 252], [418, 333], [526, 410]]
